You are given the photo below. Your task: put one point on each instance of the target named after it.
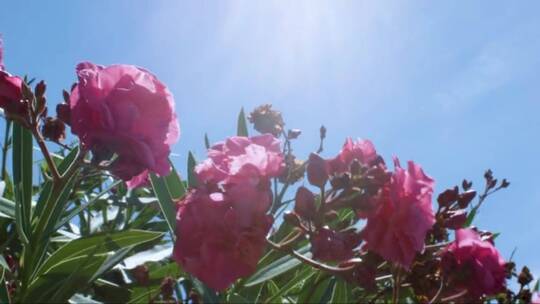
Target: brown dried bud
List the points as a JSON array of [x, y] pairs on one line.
[[525, 276], [53, 129], [505, 183], [322, 132], [317, 170], [266, 120], [448, 197], [294, 172], [294, 133], [167, 287], [456, 219], [141, 275], [291, 219], [64, 113], [466, 185], [465, 198], [40, 89]]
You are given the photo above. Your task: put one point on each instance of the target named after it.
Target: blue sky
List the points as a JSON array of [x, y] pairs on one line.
[[452, 85]]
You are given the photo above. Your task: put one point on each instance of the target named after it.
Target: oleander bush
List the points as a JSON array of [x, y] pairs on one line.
[[109, 219]]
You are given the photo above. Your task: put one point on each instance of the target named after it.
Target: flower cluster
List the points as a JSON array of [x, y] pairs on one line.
[[222, 224]]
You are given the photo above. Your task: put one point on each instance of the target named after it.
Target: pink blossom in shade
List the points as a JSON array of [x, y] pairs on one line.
[[11, 96], [397, 229], [330, 245], [362, 150], [140, 180], [211, 243], [125, 110], [474, 264], [535, 298], [242, 160]]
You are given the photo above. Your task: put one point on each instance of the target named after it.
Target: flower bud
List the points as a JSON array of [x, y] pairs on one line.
[[141, 275], [448, 197], [40, 89], [305, 203], [456, 219], [525, 276], [466, 185], [53, 129], [294, 133], [317, 171], [291, 219], [64, 113], [167, 287], [465, 198], [266, 120]]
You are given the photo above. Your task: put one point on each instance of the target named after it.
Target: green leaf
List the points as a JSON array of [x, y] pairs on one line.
[[277, 267], [470, 217], [208, 295], [47, 187], [242, 129], [236, 298], [316, 289], [206, 141], [165, 201], [100, 244], [304, 274], [340, 292], [175, 186], [7, 207], [192, 178], [63, 280], [22, 179], [537, 286]]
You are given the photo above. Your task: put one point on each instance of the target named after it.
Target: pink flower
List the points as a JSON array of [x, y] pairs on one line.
[[11, 96], [397, 229], [125, 110], [242, 160], [474, 264], [362, 150], [535, 298], [212, 243], [329, 245]]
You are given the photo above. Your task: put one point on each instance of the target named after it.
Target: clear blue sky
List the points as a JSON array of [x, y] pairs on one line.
[[453, 85]]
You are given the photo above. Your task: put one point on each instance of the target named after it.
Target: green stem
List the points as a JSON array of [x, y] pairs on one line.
[[5, 148]]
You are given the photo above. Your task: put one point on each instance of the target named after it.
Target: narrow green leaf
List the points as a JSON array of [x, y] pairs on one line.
[[277, 267], [470, 217], [7, 207], [4, 295], [236, 298], [208, 295], [192, 178], [47, 187], [100, 243], [242, 129], [174, 183], [206, 141], [22, 179], [165, 201], [340, 292], [304, 274]]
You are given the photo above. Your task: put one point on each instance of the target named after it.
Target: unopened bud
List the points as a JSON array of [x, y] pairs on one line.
[[317, 170], [305, 203], [167, 287], [525, 276], [141, 275], [466, 185], [53, 129], [291, 219], [456, 219], [40, 89], [294, 133], [465, 198], [448, 197], [64, 113]]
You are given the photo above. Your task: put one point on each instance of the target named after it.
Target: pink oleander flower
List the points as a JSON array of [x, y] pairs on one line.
[[242, 160], [212, 243], [397, 229], [330, 245], [362, 150], [535, 298], [11, 97], [473, 264], [125, 110]]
